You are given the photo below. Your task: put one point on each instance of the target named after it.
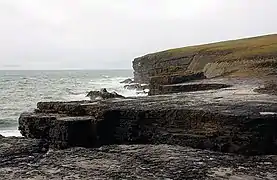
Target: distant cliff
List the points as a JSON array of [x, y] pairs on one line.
[[243, 57]]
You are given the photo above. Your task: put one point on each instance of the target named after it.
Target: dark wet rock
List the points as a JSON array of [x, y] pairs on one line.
[[127, 81], [103, 90], [132, 86], [17, 150], [104, 94], [26, 159], [175, 79], [221, 120], [158, 82], [269, 88], [59, 130], [177, 88], [143, 93]]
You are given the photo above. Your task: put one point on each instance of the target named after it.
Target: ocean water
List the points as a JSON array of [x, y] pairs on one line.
[[21, 90]]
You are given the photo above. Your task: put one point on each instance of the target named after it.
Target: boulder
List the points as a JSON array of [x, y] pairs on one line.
[[103, 94], [127, 81]]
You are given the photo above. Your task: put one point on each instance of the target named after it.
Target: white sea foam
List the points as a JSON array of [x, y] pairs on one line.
[[111, 84], [268, 113], [21, 90], [8, 133]]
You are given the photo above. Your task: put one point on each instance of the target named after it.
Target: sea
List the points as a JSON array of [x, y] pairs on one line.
[[21, 90]]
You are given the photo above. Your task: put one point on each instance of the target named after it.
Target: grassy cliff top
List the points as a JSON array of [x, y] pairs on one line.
[[260, 47]]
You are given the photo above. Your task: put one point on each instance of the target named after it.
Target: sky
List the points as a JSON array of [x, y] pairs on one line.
[[109, 34]]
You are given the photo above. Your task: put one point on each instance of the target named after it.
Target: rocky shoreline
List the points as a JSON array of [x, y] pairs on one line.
[[217, 119], [31, 159], [200, 121], [220, 133]]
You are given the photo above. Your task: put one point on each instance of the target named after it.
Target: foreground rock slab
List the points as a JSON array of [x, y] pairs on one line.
[[17, 150], [30, 160]]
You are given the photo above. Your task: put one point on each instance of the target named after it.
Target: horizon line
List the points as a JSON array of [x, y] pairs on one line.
[[63, 69]]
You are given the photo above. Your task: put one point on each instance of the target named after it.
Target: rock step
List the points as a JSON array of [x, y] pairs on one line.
[[199, 129], [60, 130], [71, 108], [175, 79], [177, 88], [122, 125]]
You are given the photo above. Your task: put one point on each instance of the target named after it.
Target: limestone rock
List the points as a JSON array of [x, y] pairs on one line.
[[104, 94], [27, 159], [233, 123], [178, 88], [269, 88], [59, 130], [127, 81], [17, 150]]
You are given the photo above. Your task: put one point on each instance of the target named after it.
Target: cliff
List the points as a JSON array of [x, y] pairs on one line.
[[254, 56]]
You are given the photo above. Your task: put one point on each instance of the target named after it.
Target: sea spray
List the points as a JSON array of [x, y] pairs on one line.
[[21, 90]]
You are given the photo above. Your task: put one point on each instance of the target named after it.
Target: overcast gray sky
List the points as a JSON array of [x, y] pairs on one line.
[[101, 34]]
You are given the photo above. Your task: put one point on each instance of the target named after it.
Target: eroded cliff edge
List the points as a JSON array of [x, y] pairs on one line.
[[244, 57]]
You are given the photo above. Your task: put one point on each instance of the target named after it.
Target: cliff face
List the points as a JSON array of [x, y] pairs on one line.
[[243, 57]]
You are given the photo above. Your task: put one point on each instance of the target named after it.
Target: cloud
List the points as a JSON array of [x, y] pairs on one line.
[[93, 34]]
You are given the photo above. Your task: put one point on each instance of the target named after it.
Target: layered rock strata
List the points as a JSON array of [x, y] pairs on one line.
[[250, 57]]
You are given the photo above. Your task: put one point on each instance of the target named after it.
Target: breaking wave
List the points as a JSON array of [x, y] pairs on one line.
[[21, 90]]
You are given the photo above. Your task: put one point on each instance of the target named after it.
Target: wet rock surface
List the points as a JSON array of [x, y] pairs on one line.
[[177, 88], [157, 82], [103, 94], [269, 88], [18, 150], [127, 81], [176, 79], [59, 130], [34, 161]]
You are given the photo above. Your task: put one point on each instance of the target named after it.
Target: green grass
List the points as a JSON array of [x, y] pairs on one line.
[[261, 47]]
